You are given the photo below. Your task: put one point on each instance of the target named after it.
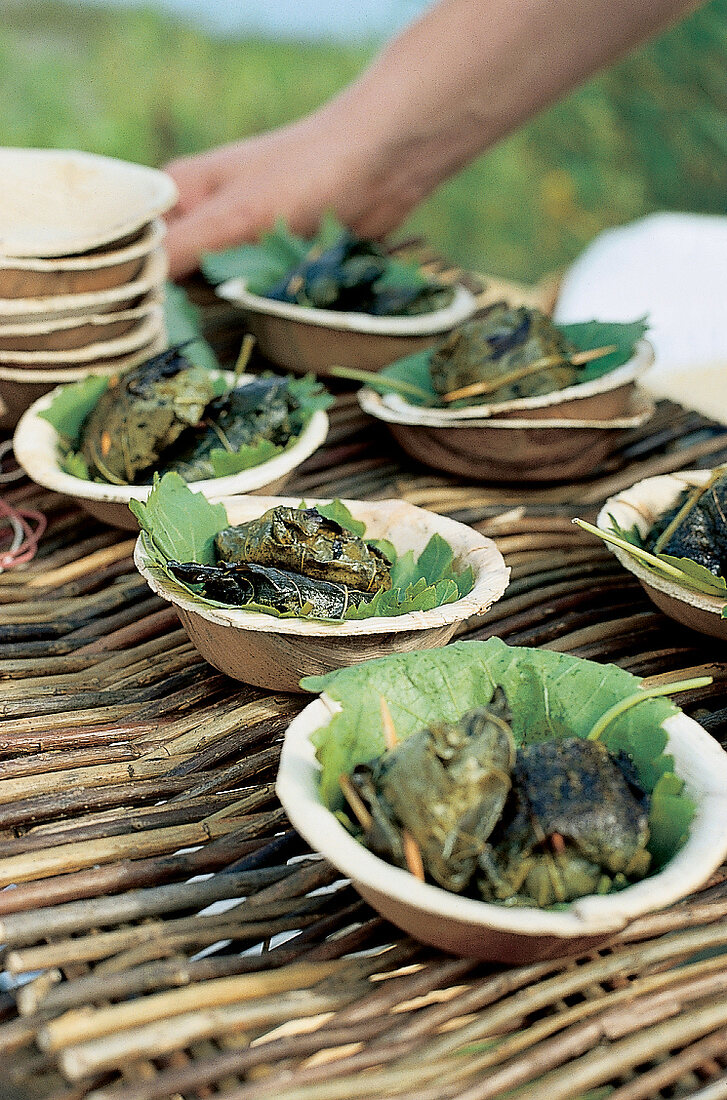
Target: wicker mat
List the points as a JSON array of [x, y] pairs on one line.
[[168, 935]]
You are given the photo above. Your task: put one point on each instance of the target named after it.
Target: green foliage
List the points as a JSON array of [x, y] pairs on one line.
[[71, 405], [647, 134], [552, 695], [184, 323], [601, 334], [181, 524]]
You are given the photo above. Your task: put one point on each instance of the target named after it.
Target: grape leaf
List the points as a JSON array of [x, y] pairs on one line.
[[181, 524], [71, 405], [184, 326]]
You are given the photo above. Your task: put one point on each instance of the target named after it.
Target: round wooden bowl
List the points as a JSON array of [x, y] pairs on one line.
[[314, 340], [642, 505], [95, 354], [66, 333], [502, 450], [36, 448], [78, 306], [33, 277], [20, 388], [276, 653], [59, 202], [517, 935]]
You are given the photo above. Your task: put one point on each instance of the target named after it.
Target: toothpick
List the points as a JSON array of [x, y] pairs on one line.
[[412, 851], [489, 385]]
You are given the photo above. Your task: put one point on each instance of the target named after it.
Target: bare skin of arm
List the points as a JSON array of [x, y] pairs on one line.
[[464, 75]]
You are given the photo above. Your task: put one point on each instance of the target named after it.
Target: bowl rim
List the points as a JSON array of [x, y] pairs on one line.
[[62, 377], [643, 407], [705, 775], [627, 373], [35, 443], [160, 195], [491, 574], [67, 321], [460, 309], [151, 276], [628, 504], [150, 326], [152, 237]]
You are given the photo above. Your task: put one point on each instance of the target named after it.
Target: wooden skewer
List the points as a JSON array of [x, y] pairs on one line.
[[412, 851], [490, 385]]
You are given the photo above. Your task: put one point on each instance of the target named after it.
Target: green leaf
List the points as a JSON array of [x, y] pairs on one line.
[[225, 463], [387, 548], [71, 405], [698, 573], [670, 818], [401, 275], [184, 322], [260, 265], [339, 513], [75, 464], [600, 334], [551, 695], [181, 524]]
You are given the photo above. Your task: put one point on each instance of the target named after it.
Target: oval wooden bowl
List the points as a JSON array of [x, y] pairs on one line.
[[96, 354], [32, 277], [465, 926], [501, 450], [59, 202], [642, 504], [36, 448], [150, 280], [67, 333], [276, 653], [304, 340], [20, 388]]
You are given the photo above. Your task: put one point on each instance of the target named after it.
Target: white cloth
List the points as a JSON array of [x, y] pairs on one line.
[[672, 268]]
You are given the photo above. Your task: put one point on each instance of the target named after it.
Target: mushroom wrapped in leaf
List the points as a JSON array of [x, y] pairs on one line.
[[518, 351], [574, 824], [136, 419], [247, 582], [447, 786], [304, 541], [263, 409], [356, 275], [696, 527]]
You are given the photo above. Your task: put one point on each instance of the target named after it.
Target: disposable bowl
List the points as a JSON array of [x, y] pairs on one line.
[[96, 353], [59, 202], [33, 277], [303, 340], [36, 446], [465, 926], [150, 279], [276, 653], [642, 504], [66, 333], [504, 449]]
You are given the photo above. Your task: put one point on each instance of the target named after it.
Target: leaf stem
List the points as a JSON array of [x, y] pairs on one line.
[[644, 693], [379, 383], [660, 566]]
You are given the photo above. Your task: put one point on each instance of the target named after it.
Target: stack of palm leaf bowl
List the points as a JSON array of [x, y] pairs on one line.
[[436, 574], [512, 397], [82, 269], [671, 533]]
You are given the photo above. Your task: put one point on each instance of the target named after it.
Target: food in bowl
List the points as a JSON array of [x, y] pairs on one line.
[[168, 414], [336, 270], [515, 360], [553, 697], [304, 562]]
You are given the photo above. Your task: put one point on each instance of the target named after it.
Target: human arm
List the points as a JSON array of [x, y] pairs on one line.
[[458, 79]]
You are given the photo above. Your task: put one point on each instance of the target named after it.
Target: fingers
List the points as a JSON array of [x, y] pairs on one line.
[[214, 223]]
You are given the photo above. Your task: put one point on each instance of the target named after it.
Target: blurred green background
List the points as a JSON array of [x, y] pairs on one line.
[[649, 134]]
